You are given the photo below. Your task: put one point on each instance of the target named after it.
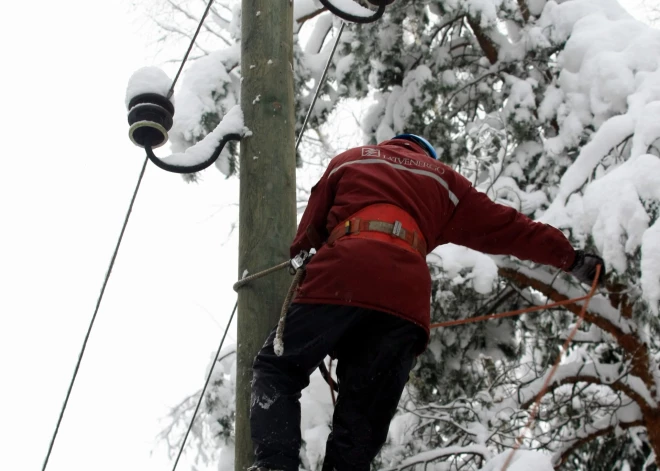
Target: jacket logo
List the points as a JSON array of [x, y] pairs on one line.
[[370, 152]]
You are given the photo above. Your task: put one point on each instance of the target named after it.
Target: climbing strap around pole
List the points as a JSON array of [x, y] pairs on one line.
[[247, 279], [297, 268]]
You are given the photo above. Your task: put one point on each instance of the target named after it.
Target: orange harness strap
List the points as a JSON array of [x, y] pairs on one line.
[[384, 222]]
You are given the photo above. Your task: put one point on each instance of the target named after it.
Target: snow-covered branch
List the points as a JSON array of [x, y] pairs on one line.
[[590, 434], [599, 314], [604, 375]]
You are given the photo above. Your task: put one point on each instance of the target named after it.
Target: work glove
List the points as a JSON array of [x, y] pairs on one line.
[[584, 267]]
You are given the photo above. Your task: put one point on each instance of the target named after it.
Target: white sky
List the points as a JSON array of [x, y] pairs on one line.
[[68, 171], [68, 174]]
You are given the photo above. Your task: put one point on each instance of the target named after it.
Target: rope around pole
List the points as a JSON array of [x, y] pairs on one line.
[[247, 279], [96, 310], [201, 396], [548, 380]]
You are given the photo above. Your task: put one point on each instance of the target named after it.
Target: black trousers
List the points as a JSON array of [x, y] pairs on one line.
[[375, 353]]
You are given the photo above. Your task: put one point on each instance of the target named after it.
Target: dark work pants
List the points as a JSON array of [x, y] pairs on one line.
[[375, 353]]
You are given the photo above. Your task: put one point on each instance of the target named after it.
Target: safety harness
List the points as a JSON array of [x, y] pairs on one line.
[[384, 222]]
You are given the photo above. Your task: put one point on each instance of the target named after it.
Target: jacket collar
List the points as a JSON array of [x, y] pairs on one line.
[[406, 145]]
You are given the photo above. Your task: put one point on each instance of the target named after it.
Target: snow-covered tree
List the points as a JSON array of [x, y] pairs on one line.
[[552, 107]]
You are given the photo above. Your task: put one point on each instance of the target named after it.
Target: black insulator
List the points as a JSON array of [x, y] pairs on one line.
[[152, 98], [354, 18], [150, 116]]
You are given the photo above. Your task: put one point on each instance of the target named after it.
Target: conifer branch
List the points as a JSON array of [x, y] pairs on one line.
[[487, 44], [637, 350], [579, 378], [592, 436]]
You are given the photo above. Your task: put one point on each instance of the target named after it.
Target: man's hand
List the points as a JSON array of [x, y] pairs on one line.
[[584, 267]]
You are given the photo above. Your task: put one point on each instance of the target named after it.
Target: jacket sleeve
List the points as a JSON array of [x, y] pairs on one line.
[[312, 230], [489, 227]]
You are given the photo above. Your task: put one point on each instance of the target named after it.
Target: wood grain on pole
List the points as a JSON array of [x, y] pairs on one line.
[[267, 218]]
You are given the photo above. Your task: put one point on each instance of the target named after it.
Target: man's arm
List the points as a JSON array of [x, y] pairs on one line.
[[312, 230], [489, 227]]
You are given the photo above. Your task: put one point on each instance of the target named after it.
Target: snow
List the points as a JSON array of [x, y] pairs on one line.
[[486, 10], [399, 105], [605, 99], [521, 104], [206, 78], [523, 460], [613, 211], [401, 426], [455, 258], [350, 7], [604, 373], [610, 82], [599, 304], [318, 35], [431, 455], [650, 279], [316, 416], [232, 123], [551, 101], [147, 80], [303, 8]]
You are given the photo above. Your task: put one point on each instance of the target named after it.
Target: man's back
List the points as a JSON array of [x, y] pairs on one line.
[[377, 272], [374, 273]]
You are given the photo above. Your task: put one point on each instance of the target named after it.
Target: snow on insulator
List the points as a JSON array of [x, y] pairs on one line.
[[150, 116], [147, 80], [348, 10], [206, 152], [150, 111]]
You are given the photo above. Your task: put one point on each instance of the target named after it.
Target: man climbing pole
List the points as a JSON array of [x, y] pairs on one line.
[[365, 299]]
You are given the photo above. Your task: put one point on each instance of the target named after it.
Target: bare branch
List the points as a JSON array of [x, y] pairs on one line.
[[487, 44]]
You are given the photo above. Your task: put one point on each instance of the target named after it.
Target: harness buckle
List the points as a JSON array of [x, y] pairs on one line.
[[396, 230], [300, 260]]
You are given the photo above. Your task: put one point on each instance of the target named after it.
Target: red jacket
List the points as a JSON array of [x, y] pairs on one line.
[[383, 276]]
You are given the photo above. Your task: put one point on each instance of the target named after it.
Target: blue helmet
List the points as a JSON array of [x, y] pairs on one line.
[[426, 145]]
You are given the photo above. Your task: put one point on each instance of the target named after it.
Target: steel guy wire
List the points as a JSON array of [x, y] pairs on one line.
[[114, 256], [96, 310], [320, 84], [208, 380], [192, 43]]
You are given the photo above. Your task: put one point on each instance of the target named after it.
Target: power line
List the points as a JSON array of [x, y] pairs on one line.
[[192, 43], [96, 310], [114, 257]]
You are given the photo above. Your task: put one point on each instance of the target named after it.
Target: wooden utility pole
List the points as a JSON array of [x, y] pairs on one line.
[[267, 218]]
